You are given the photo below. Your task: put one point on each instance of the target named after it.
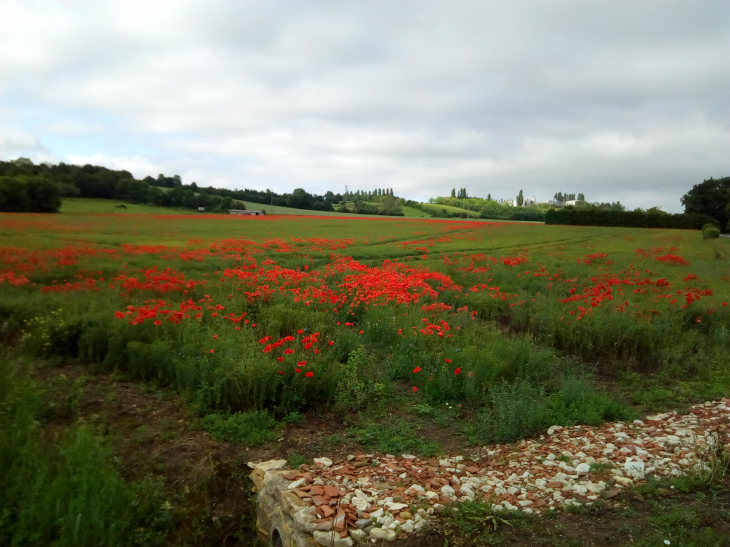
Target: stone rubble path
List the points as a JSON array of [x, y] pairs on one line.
[[368, 497]]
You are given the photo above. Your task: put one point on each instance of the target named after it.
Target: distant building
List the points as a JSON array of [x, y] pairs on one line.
[[242, 212], [571, 202], [201, 209]]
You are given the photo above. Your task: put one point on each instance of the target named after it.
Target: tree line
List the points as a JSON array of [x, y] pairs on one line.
[[27, 187], [628, 219]]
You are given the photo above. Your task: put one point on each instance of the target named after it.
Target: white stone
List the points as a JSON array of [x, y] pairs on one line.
[[269, 465], [635, 469], [582, 468], [407, 526], [446, 490], [325, 462], [430, 494], [361, 504], [377, 513], [358, 535], [596, 487], [416, 488], [553, 428], [580, 489], [296, 484], [331, 539], [379, 533]]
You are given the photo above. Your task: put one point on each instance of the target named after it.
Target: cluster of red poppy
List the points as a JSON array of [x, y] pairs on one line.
[[163, 281], [672, 259]]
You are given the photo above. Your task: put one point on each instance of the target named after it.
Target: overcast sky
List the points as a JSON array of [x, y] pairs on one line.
[[620, 100]]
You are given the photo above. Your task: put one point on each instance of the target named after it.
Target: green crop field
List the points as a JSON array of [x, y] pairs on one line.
[[350, 326]]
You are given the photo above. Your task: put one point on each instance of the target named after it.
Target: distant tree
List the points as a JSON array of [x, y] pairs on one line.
[[711, 197], [453, 192], [13, 196], [581, 197], [69, 190], [329, 196], [520, 199], [489, 197], [300, 199]]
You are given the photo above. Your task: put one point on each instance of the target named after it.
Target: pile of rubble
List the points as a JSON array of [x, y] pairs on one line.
[[369, 497]]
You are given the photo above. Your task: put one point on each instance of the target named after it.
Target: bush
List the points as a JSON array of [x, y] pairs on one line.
[[247, 428], [710, 231]]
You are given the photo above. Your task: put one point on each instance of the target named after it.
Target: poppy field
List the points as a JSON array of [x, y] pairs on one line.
[[490, 331], [282, 314]]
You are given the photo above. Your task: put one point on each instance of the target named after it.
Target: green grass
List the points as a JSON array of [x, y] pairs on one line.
[[90, 205], [246, 428], [68, 492], [449, 209], [397, 437], [411, 212]]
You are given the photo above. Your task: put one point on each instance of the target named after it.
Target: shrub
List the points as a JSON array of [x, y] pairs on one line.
[[246, 428], [710, 231], [357, 388]]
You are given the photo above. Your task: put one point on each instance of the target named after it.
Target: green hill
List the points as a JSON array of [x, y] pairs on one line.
[[450, 209]]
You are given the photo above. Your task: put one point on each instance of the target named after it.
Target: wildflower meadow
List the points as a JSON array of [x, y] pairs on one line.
[[512, 327]]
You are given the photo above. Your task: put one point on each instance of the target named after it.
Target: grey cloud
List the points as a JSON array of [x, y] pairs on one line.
[[620, 100]]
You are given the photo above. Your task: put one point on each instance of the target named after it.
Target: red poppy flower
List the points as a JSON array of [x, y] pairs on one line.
[[360, 332], [457, 371], [415, 389], [301, 363], [215, 337], [307, 345], [215, 314], [331, 343], [158, 322], [448, 360], [281, 372], [264, 339], [316, 351], [297, 370], [300, 331], [280, 359], [288, 351], [267, 349], [417, 369], [309, 374], [212, 351]]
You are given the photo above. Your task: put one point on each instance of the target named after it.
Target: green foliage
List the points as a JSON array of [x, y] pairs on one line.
[[517, 410], [358, 387], [710, 231], [521, 409], [398, 437], [710, 198], [67, 493], [629, 219], [29, 194], [295, 460], [246, 428], [476, 520]]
